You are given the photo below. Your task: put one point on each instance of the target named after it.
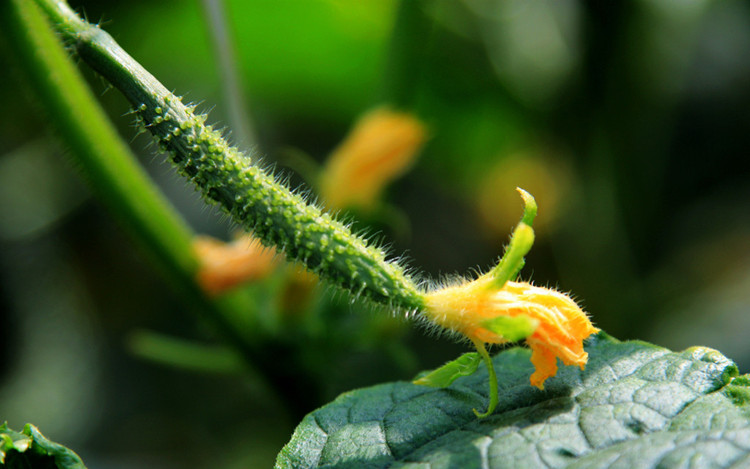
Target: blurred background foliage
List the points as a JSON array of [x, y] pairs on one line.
[[626, 119]]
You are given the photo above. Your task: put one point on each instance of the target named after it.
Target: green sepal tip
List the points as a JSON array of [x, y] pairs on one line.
[[520, 244], [530, 207]]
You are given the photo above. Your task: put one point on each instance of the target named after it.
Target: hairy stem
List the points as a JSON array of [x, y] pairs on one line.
[[228, 177]]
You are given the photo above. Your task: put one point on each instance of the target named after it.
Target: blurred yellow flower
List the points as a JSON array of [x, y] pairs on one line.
[[559, 325], [380, 147], [223, 266]]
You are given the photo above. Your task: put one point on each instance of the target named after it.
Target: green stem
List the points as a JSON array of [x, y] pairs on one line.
[[226, 64], [180, 353], [408, 53], [494, 394], [226, 176]]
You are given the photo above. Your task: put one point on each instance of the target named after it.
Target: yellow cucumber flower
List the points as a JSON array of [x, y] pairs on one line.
[[559, 325], [496, 309]]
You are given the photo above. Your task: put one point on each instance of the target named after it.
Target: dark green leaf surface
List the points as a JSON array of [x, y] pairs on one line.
[[29, 449], [635, 406]]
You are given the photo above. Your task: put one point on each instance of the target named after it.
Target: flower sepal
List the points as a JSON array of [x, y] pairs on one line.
[[512, 329], [443, 376]]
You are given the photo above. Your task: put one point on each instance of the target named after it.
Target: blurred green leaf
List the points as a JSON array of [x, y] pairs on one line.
[[320, 58], [29, 449], [635, 405], [185, 354], [442, 377]]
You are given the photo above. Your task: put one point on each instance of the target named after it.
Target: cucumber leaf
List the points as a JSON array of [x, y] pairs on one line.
[[636, 405], [29, 449]]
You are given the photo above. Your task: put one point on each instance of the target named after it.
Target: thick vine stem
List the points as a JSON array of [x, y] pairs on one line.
[[277, 216]]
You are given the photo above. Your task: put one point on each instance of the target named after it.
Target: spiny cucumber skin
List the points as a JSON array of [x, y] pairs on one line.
[[271, 211]]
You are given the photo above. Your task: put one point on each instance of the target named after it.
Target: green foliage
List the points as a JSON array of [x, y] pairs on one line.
[[442, 377], [180, 353], [30, 449], [636, 405]]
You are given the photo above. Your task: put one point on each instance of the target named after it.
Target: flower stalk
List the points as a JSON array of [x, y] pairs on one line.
[[492, 378]]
